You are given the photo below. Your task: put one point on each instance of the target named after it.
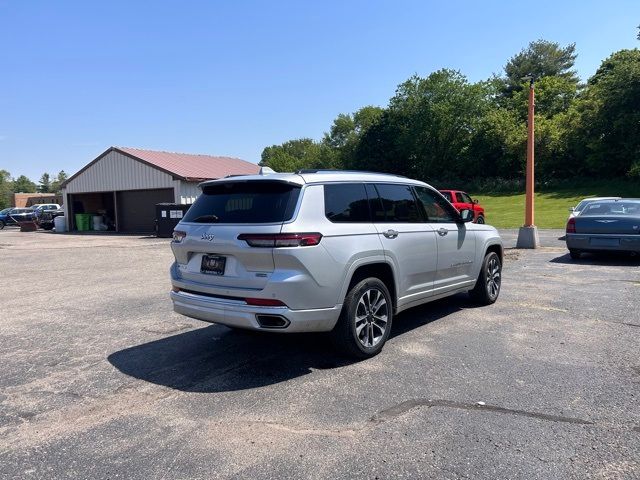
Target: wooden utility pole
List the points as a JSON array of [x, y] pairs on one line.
[[528, 234], [530, 186]]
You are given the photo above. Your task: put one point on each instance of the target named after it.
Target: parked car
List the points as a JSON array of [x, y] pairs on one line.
[[605, 226], [575, 211], [12, 216], [342, 252], [41, 212], [44, 207], [463, 201], [45, 218], [3, 214]]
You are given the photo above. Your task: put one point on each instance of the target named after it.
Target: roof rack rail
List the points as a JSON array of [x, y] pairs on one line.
[[235, 175], [331, 170]]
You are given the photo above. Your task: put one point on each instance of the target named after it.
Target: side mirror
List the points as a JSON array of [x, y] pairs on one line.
[[475, 201], [466, 215], [572, 209]]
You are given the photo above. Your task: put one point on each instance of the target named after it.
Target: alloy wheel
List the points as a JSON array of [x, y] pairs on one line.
[[493, 277], [371, 319]]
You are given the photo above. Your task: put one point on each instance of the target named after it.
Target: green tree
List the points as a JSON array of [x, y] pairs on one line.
[[430, 124], [56, 185], [498, 146], [24, 185], [347, 131], [541, 58], [6, 189], [381, 149], [347, 128], [609, 116], [445, 128], [553, 96], [45, 183], [298, 154]]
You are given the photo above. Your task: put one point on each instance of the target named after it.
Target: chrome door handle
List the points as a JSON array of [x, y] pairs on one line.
[[390, 234], [442, 231]]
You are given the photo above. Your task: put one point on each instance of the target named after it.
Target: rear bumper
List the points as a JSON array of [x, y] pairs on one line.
[[603, 242], [236, 313]]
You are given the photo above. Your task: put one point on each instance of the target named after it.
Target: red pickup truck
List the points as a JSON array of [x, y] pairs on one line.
[[462, 200]]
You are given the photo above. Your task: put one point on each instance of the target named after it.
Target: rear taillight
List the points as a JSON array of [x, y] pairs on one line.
[[178, 236], [265, 302], [275, 240], [571, 225]]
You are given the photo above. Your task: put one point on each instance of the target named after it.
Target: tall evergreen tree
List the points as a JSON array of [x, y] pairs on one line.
[[22, 184], [541, 58], [45, 183]]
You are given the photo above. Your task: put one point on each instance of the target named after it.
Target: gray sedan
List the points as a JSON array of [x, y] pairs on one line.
[[605, 226]]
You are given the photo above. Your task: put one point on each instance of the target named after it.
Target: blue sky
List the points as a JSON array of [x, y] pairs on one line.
[[230, 78]]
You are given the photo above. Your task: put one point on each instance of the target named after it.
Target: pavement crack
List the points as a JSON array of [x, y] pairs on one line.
[[402, 408]]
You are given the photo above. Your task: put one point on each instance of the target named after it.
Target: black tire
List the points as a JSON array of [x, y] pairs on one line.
[[489, 281], [361, 341], [480, 219], [47, 226], [2, 224], [575, 254]]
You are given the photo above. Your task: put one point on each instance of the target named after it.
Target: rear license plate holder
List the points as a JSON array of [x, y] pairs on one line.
[[213, 264], [605, 242]]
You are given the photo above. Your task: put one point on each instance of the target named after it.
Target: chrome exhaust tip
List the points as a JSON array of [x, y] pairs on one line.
[[272, 321]]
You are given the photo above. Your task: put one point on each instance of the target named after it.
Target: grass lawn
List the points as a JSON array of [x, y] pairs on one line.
[[506, 210]]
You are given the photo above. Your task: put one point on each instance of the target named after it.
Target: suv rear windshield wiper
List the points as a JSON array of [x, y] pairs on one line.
[[206, 219]]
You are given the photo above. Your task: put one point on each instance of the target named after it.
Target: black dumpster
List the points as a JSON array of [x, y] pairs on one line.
[[167, 217]]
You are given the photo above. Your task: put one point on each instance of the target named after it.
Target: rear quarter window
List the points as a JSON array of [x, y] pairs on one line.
[[245, 202], [346, 203]]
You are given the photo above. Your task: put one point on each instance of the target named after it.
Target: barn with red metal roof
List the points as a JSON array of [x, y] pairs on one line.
[[123, 185]]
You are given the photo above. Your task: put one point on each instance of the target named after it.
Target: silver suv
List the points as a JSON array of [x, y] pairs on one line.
[[327, 251]]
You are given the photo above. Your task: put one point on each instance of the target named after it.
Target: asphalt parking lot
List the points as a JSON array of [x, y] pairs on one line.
[[100, 379]]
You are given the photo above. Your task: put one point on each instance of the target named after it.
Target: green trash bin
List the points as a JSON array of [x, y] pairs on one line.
[[83, 222]]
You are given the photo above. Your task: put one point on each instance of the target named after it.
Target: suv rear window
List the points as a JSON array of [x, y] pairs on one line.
[[346, 202], [244, 202]]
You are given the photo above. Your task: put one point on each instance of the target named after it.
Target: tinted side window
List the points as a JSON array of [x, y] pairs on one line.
[[377, 212], [436, 209], [346, 202], [398, 203], [447, 195]]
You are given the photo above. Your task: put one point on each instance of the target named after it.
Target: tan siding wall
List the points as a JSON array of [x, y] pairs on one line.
[[118, 172]]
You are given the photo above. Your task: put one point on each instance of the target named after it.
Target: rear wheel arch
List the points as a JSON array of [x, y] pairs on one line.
[[381, 270]]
